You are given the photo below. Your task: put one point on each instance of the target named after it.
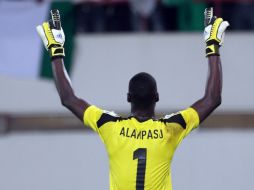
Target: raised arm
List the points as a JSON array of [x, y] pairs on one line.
[[53, 38], [214, 37], [65, 91]]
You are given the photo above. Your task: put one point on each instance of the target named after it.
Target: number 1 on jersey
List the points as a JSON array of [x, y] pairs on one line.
[[140, 154]]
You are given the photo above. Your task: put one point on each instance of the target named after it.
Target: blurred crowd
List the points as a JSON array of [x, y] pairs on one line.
[[92, 16]]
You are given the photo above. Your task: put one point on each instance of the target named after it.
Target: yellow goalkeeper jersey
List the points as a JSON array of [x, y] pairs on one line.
[[140, 153]]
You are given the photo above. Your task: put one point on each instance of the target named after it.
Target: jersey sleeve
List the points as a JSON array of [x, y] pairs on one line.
[[101, 121], [91, 117], [191, 119], [182, 123]]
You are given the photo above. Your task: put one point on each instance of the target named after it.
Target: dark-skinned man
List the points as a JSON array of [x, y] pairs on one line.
[[140, 148]]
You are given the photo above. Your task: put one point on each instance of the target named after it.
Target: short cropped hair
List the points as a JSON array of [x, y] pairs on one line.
[[143, 90]]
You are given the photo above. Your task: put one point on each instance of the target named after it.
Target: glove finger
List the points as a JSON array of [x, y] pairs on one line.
[[41, 33], [213, 20], [51, 24], [222, 39], [207, 32], [223, 26], [62, 32]]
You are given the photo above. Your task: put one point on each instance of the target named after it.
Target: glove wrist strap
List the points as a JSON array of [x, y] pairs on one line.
[[212, 49], [56, 52]]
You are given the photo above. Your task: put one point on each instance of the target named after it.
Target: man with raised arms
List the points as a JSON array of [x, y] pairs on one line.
[[140, 147]]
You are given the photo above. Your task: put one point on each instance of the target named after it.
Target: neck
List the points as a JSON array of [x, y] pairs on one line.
[[141, 113]]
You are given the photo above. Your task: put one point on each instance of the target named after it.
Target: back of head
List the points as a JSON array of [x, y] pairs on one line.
[[143, 90]]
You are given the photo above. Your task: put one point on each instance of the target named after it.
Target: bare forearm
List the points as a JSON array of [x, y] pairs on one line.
[[62, 81], [212, 96], [214, 82], [65, 91]]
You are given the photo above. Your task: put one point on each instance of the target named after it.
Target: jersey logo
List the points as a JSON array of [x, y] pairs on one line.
[[175, 118], [106, 117]]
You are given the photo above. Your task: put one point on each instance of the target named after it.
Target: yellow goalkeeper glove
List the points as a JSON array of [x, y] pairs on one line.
[[214, 32], [53, 36]]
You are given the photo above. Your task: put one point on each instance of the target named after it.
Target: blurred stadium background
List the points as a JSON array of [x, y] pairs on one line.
[[42, 146]]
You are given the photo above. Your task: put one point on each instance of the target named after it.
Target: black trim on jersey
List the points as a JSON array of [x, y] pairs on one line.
[[107, 118], [178, 118]]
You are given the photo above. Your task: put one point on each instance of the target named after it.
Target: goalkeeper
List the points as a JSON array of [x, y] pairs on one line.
[[140, 147]]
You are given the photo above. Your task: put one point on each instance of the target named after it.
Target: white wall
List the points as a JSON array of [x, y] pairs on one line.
[[207, 160], [104, 64]]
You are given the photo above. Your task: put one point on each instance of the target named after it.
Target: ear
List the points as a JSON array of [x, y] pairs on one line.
[[157, 97], [128, 97]]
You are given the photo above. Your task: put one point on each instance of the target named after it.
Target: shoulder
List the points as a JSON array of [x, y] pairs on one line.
[[97, 116], [190, 115], [187, 117], [108, 116]]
